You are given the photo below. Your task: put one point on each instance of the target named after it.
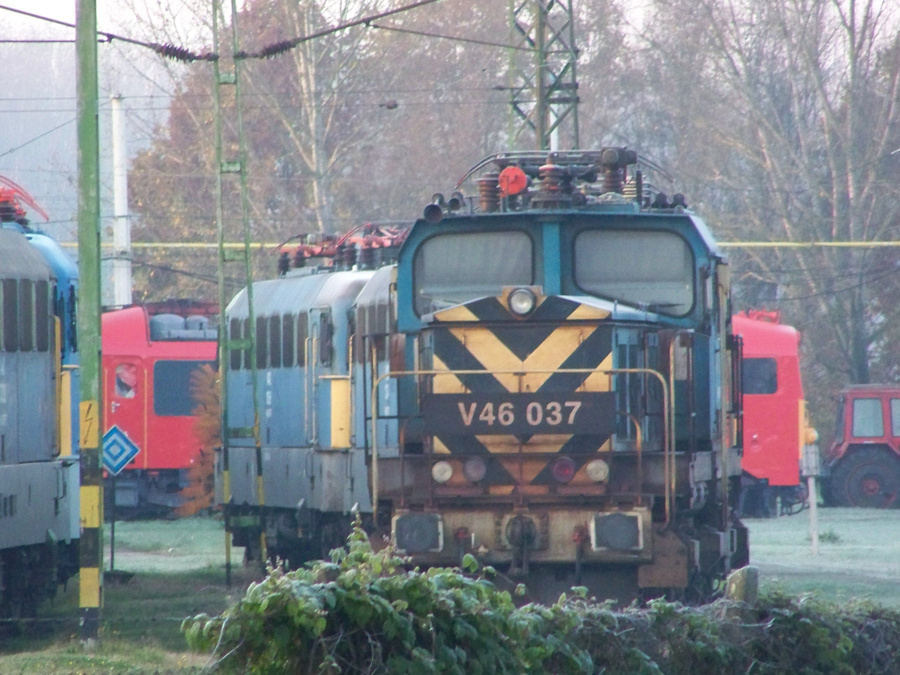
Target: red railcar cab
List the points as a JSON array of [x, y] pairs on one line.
[[774, 420], [147, 364]]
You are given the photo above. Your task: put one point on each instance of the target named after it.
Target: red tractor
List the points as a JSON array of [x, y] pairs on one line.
[[864, 459]]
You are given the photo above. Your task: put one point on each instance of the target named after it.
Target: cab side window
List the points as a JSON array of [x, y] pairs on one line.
[[126, 380], [895, 417], [867, 421], [760, 376]]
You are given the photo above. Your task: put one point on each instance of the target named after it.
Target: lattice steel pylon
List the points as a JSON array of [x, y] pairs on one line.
[[227, 101], [543, 85]]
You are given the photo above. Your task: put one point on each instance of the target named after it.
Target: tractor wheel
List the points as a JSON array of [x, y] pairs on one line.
[[868, 478]]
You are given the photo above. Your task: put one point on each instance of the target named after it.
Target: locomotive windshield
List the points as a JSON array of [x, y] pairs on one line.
[[651, 270], [454, 268]]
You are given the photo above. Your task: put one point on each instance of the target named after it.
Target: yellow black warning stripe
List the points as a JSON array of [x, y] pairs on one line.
[[559, 335]]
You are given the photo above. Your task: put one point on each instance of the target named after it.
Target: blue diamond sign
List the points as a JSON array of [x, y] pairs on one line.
[[118, 450]]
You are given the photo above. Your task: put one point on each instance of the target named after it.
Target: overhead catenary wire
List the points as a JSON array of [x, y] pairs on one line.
[[183, 54], [186, 55], [170, 51], [454, 38]]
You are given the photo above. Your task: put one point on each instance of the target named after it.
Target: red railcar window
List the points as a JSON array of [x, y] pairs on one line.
[[126, 380], [759, 376], [172, 387]]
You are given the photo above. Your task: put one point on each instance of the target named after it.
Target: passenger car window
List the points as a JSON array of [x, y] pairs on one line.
[[10, 301]]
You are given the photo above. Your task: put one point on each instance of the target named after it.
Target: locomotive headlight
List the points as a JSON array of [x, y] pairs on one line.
[[597, 470], [521, 301], [441, 471], [474, 469], [563, 469]]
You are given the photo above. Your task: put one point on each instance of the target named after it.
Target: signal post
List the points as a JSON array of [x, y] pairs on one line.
[[90, 578]]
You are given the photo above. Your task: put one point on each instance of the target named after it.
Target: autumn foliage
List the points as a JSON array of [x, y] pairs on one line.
[[205, 392]]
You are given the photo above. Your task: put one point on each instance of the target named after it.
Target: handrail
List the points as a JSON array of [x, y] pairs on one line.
[[670, 470], [668, 447], [638, 442]]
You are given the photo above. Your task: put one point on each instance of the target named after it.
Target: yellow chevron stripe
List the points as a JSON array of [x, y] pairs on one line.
[[439, 447], [460, 313], [588, 313], [503, 444], [490, 352], [599, 381], [528, 469], [445, 383], [499, 444], [550, 355]]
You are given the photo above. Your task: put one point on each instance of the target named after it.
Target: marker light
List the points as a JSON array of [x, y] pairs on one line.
[[474, 469], [441, 471], [597, 470], [521, 301], [563, 469]]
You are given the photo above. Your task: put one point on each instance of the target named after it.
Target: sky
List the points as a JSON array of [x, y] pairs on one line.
[[38, 140], [37, 106]]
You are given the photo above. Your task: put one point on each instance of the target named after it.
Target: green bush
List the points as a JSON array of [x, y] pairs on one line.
[[364, 612]]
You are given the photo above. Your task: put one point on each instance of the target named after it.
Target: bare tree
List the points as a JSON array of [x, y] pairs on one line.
[[787, 113]]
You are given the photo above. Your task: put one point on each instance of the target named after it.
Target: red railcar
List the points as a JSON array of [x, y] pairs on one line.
[[775, 423], [149, 353]]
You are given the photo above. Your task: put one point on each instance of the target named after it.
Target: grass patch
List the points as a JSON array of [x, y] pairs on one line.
[[178, 571], [829, 537], [141, 620], [140, 626], [66, 657]]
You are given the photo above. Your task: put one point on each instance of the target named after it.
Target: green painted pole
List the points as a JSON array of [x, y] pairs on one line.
[[91, 493]]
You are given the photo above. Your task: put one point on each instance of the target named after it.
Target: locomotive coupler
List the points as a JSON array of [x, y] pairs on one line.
[[521, 532]]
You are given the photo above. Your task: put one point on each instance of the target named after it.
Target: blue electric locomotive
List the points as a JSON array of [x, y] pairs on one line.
[[545, 379], [38, 472]]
